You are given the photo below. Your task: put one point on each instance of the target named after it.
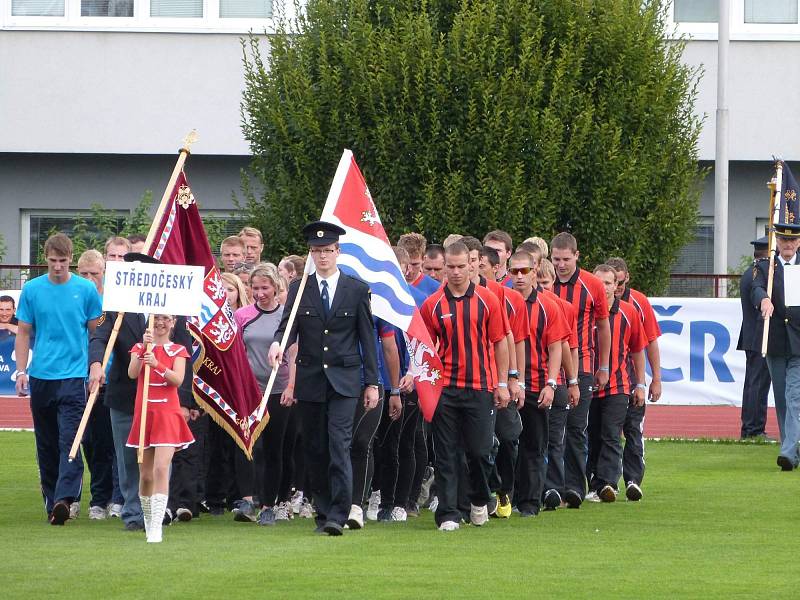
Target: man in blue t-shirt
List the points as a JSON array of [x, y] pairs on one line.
[[63, 308]]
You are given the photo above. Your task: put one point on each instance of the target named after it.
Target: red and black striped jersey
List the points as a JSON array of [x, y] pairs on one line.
[[642, 305], [568, 312], [627, 337], [588, 296], [466, 328], [547, 325], [514, 304]]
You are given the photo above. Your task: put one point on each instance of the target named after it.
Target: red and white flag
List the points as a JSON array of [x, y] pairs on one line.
[[365, 252], [223, 383]]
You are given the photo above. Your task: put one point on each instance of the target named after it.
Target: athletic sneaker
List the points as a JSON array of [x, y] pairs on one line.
[[245, 512], [633, 492], [449, 526], [306, 510], [503, 506], [284, 512], [373, 506], [60, 514], [97, 513], [168, 518], [74, 510], [384, 515], [785, 463], [478, 515], [425, 488], [183, 514], [297, 502], [491, 506], [355, 520], [592, 497], [434, 504], [552, 500], [115, 510], [266, 516], [607, 494], [399, 514], [573, 499], [412, 510]]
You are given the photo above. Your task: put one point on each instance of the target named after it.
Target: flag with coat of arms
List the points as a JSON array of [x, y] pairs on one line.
[[365, 252], [223, 383]]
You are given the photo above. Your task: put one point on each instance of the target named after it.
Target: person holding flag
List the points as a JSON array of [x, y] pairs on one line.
[[335, 335]]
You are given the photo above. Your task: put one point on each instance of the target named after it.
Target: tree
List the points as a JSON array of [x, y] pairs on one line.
[[532, 117]]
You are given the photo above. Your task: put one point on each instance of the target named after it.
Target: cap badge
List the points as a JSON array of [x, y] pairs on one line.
[[320, 233]]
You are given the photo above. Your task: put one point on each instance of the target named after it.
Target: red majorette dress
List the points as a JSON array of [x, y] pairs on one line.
[[165, 424]]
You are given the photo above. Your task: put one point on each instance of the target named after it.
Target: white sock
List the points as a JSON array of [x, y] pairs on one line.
[[147, 512], [159, 505]]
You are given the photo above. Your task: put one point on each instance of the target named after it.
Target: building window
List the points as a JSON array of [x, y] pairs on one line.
[[176, 8], [106, 8], [696, 258], [37, 8], [696, 11], [76, 225], [245, 9], [770, 11]]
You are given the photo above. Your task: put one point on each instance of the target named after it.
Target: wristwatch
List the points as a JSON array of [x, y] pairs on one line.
[[552, 383], [514, 373], [572, 382]]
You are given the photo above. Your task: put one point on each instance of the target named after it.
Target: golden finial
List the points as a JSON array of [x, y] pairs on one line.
[[189, 140]]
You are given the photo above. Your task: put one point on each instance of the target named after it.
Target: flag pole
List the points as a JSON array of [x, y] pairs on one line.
[[774, 201], [290, 324], [184, 152], [145, 397]]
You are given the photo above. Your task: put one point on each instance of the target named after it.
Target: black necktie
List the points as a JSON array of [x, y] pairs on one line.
[[326, 302]]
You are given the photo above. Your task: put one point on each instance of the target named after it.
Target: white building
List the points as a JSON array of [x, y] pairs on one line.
[[95, 96]]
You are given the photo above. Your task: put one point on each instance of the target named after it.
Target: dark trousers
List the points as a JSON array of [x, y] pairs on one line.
[[57, 406], [422, 458], [463, 423], [98, 450], [576, 443], [507, 429], [606, 418], [754, 395], [186, 466], [268, 453], [387, 455], [230, 474], [362, 456], [556, 432], [294, 473], [327, 430], [532, 454], [633, 453], [407, 459]]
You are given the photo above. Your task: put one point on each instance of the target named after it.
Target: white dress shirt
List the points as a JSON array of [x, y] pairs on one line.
[[332, 280]]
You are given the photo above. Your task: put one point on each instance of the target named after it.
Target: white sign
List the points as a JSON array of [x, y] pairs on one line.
[[151, 288], [700, 364], [791, 284]]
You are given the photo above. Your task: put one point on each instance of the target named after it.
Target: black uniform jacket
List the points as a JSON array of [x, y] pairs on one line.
[[784, 326], [121, 389], [332, 348]]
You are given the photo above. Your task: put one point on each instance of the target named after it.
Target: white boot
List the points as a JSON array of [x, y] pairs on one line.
[[147, 512], [159, 506]]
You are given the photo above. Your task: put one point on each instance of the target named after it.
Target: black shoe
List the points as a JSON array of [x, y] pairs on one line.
[[491, 506], [784, 462], [216, 511], [552, 500], [167, 520], [633, 492], [134, 526], [332, 528], [573, 499], [528, 512], [60, 513], [202, 507], [385, 515]]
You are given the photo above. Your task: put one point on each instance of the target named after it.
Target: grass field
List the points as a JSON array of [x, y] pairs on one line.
[[717, 520]]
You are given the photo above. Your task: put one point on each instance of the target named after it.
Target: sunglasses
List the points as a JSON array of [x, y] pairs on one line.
[[523, 270]]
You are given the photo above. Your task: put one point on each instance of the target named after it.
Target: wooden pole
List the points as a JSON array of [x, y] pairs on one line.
[[773, 203], [292, 315], [184, 152], [145, 396], [93, 396]]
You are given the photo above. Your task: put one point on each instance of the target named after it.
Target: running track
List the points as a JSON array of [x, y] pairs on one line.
[[662, 421]]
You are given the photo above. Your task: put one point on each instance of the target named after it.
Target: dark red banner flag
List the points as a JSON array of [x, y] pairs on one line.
[[223, 383]]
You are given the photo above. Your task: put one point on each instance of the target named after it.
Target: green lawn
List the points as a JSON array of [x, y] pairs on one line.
[[717, 520]]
